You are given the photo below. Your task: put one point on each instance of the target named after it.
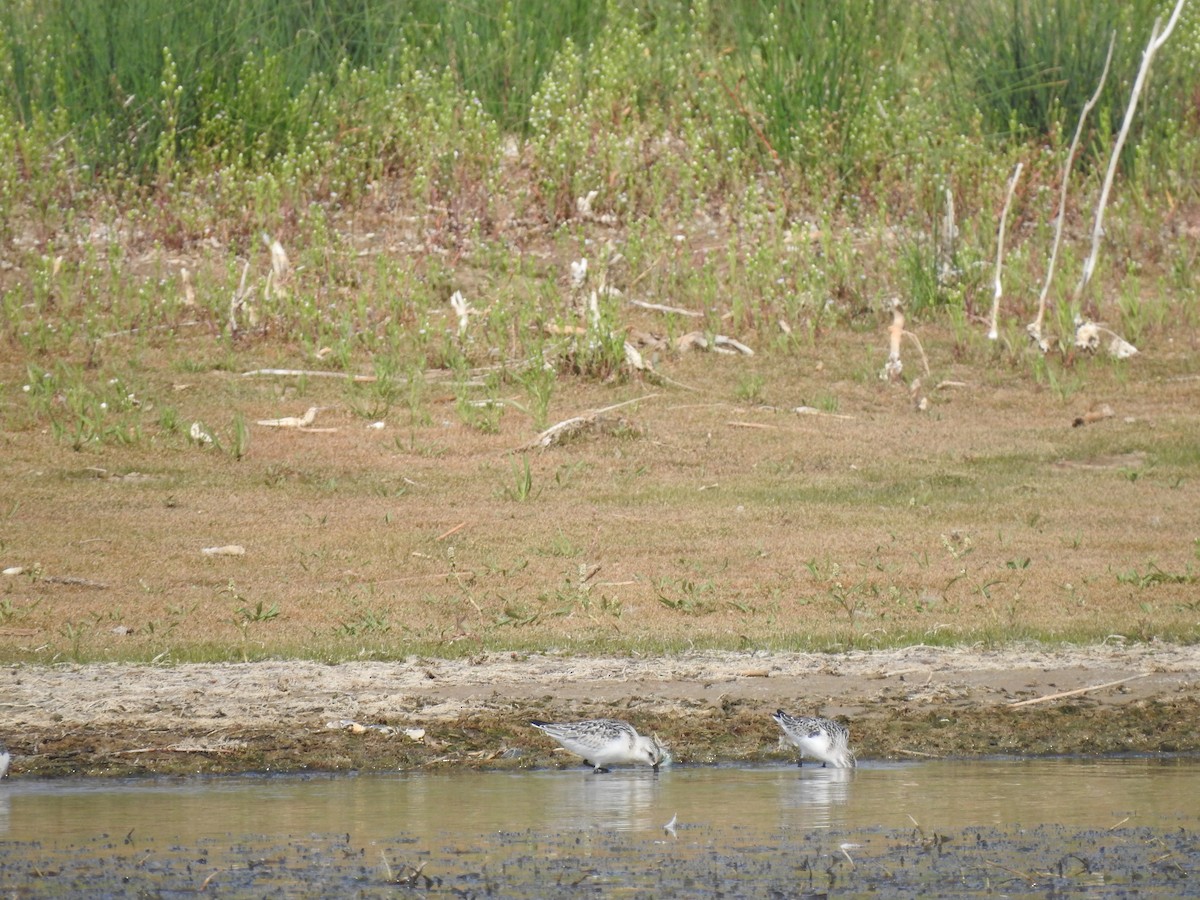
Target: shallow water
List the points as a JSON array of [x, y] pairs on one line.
[[1020, 827]]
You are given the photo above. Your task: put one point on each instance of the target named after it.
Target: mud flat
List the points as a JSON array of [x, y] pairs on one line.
[[913, 703]]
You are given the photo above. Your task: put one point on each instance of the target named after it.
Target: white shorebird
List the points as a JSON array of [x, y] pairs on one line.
[[5, 759], [605, 742], [819, 738]]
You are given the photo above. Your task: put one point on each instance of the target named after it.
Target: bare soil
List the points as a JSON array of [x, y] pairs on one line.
[[444, 606], [702, 522], [916, 702]]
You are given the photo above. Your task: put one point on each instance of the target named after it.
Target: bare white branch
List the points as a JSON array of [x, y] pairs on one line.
[[994, 331], [1157, 39], [1035, 327]]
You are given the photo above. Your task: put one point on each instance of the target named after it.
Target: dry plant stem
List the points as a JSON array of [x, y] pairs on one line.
[[1083, 690], [916, 340], [1035, 330], [239, 298], [749, 117], [993, 331], [1157, 39]]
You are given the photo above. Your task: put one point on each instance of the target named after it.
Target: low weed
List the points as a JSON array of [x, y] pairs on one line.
[[750, 388], [365, 622], [520, 485], [538, 382], [1153, 575], [687, 596]]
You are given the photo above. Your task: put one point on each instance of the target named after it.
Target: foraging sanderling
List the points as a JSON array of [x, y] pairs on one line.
[[822, 739], [5, 759], [605, 742]]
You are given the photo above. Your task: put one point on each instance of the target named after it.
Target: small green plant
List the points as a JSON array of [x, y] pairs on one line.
[[846, 598], [367, 622], [76, 633], [1154, 576], [520, 485], [1047, 372], [539, 381], [749, 388], [958, 544], [246, 617], [685, 595], [239, 440], [481, 414], [373, 398], [82, 412], [561, 546], [516, 614], [10, 613], [827, 403]]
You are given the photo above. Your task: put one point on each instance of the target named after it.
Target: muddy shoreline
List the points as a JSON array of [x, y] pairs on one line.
[[911, 703]]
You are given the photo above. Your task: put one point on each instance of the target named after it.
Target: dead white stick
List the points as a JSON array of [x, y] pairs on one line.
[[1035, 327], [949, 234], [658, 307], [761, 425], [1076, 692], [292, 421], [721, 342], [306, 373], [547, 437], [177, 749], [813, 411], [994, 331], [1157, 39], [227, 550]]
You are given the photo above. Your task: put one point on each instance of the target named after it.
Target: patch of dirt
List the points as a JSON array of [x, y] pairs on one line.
[[912, 703]]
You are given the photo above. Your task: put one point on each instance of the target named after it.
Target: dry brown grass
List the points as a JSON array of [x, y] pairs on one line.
[[707, 522]]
